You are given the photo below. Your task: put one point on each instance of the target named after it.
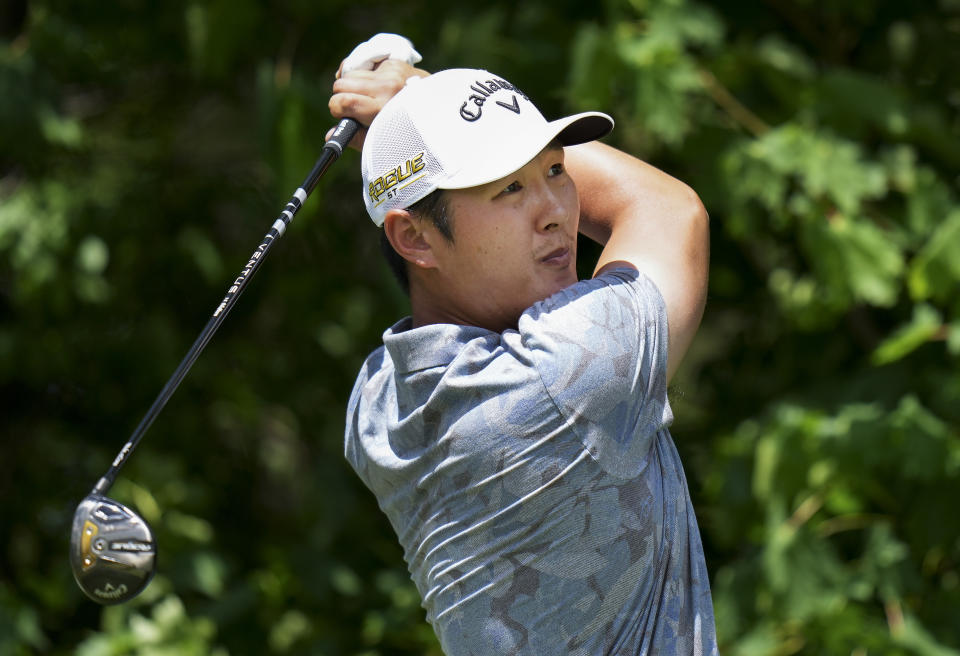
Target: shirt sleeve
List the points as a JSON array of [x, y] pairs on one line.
[[600, 347]]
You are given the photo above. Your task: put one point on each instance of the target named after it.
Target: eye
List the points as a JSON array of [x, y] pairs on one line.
[[513, 187], [556, 169]]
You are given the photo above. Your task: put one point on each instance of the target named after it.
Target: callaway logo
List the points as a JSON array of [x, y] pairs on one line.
[[130, 545], [110, 592], [472, 107]]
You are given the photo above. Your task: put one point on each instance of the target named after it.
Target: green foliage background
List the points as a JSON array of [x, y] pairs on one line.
[[145, 148]]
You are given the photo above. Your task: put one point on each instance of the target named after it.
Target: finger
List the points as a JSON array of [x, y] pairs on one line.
[[400, 68], [361, 107], [376, 86], [362, 82], [388, 73], [393, 67]]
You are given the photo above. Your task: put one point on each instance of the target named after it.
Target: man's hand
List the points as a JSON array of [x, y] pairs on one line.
[[361, 94]]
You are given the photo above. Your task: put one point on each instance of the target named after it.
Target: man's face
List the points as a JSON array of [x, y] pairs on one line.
[[515, 243]]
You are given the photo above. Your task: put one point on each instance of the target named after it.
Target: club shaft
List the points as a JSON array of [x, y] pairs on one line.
[[332, 150]]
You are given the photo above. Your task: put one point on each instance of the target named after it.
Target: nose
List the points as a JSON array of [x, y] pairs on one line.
[[558, 206]]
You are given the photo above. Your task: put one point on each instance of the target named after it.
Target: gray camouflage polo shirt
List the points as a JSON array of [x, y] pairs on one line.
[[532, 481]]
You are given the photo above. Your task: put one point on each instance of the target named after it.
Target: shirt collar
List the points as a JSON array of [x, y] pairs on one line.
[[435, 345]]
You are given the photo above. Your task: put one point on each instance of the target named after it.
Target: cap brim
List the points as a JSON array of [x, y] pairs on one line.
[[501, 162], [581, 128]]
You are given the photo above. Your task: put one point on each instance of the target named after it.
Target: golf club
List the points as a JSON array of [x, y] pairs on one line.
[[112, 549]]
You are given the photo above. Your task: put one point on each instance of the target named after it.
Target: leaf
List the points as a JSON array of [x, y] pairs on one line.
[[780, 54], [92, 255], [292, 626], [61, 130], [205, 255], [34, 227], [914, 636], [856, 256], [660, 74], [926, 322], [209, 573], [593, 64], [928, 202], [189, 526], [800, 170], [935, 271], [857, 100], [900, 163], [835, 168], [953, 338]]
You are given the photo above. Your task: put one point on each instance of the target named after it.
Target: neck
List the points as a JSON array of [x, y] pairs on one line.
[[428, 306]]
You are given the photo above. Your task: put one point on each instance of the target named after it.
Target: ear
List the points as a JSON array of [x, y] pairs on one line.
[[406, 234]]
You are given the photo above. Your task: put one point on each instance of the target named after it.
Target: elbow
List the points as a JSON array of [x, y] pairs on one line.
[[694, 209], [701, 216], [697, 218], [698, 241]]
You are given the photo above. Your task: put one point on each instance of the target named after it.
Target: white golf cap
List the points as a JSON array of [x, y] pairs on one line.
[[455, 129]]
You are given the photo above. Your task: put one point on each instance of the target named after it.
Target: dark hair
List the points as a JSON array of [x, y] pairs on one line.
[[432, 207]]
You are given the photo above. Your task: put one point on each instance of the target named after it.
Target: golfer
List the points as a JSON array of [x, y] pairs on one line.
[[514, 428]]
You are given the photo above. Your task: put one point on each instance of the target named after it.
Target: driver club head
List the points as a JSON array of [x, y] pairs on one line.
[[112, 551]]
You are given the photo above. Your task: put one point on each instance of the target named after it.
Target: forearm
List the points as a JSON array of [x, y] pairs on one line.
[[652, 221], [618, 190]]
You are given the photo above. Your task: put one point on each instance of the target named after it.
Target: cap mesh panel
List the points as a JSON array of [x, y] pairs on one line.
[[397, 142]]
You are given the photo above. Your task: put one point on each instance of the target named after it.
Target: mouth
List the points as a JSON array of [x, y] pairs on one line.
[[559, 257]]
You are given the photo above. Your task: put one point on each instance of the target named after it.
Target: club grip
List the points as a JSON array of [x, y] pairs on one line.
[[331, 151], [342, 135]]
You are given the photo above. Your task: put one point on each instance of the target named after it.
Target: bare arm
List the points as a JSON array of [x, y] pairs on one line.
[[651, 221]]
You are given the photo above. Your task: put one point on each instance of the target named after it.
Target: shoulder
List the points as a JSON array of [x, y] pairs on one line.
[[618, 299], [377, 365]]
